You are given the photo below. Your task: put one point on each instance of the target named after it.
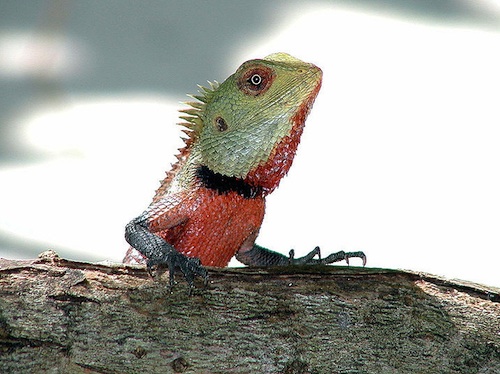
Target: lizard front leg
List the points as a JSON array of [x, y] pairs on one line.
[[260, 256], [160, 253]]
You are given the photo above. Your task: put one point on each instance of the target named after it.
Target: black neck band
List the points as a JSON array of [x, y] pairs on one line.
[[224, 184]]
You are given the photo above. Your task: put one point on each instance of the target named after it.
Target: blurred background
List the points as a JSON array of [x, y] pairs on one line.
[[400, 156]]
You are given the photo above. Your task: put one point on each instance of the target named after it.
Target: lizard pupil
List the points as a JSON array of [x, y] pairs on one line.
[[256, 79]]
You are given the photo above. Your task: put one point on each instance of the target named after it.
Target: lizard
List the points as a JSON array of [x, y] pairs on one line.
[[242, 136]]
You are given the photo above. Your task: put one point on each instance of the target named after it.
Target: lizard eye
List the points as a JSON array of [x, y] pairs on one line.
[[256, 80]]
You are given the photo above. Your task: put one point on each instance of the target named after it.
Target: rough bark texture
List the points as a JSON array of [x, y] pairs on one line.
[[59, 316]]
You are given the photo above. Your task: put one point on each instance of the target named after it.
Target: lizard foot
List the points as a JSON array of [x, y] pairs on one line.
[[334, 257], [172, 260]]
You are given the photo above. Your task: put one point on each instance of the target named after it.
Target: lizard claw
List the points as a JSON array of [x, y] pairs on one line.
[[358, 254], [190, 267], [291, 256], [307, 259], [334, 257], [341, 255]]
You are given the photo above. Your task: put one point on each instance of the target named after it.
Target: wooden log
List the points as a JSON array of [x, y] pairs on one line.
[[61, 316]]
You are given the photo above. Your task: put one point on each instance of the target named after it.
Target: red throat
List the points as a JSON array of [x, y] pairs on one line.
[[269, 174]]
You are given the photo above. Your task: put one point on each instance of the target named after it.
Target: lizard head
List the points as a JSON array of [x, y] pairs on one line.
[[249, 126]]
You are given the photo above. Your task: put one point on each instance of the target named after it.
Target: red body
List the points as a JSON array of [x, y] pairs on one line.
[[211, 226]]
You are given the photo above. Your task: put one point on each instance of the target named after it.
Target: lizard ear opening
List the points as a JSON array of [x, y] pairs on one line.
[[256, 80], [220, 124]]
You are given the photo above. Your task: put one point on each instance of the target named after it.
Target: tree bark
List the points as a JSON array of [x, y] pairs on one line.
[[60, 316]]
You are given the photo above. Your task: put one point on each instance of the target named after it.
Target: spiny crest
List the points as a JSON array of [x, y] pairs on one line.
[[192, 128], [193, 119]]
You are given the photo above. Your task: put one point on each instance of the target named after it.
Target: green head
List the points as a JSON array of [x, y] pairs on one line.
[[244, 119]]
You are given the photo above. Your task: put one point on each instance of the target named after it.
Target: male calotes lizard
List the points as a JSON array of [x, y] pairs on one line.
[[242, 137]]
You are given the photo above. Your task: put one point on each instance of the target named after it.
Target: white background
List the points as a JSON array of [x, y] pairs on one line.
[[400, 157]]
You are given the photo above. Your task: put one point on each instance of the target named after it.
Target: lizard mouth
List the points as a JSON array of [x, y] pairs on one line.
[[302, 112]]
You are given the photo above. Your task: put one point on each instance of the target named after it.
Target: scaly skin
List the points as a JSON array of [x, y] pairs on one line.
[[243, 135]]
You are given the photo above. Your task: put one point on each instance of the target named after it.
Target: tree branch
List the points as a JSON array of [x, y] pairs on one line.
[[72, 317]]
